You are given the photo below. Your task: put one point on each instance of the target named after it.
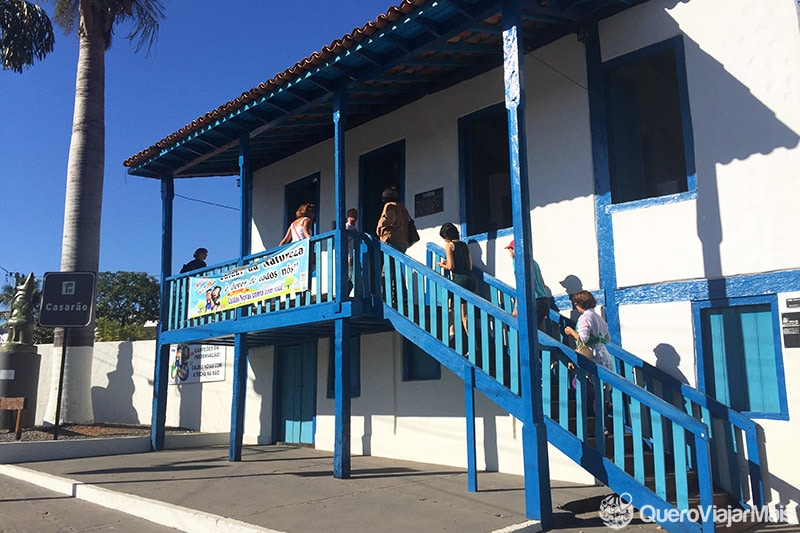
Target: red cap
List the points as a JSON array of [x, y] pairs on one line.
[[510, 245]]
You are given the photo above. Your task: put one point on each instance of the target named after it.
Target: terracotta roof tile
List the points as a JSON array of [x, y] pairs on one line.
[[290, 74]]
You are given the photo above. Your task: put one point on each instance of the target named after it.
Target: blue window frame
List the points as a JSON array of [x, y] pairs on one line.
[[355, 368], [739, 358], [418, 365], [484, 169], [650, 140]]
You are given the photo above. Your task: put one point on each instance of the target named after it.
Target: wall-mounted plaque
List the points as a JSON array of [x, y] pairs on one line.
[[429, 202], [792, 302], [790, 324]]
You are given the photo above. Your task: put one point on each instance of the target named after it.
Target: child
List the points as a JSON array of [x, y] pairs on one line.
[[458, 261], [350, 225]]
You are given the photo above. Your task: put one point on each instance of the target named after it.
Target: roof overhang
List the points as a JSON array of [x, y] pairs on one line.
[[417, 48]]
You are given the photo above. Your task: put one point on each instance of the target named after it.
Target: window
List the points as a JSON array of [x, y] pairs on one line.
[[377, 170], [649, 127], [418, 365], [355, 368], [484, 168], [739, 361]]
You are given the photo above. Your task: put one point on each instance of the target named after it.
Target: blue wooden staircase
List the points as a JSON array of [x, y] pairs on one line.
[[666, 445]]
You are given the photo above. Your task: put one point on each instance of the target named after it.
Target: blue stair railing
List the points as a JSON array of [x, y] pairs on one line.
[[736, 459], [416, 303]]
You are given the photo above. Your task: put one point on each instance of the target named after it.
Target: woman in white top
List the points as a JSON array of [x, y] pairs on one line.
[[303, 225], [592, 329]]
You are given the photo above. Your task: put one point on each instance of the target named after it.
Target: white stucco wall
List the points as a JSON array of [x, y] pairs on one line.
[[122, 389], [662, 335], [743, 74], [424, 420], [782, 481], [560, 163]]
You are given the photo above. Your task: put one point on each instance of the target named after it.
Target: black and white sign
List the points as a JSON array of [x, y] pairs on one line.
[[67, 299], [790, 324]]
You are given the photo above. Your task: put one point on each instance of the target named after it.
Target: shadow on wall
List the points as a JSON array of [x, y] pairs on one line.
[[191, 398], [743, 126], [262, 368], [572, 284], [668, 360], [114, 403], [788, 496]]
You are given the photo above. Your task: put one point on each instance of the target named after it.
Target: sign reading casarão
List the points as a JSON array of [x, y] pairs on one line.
[[67, 299]]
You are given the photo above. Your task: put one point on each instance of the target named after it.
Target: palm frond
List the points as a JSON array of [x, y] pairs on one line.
[[145, 16], [67, 14], [26, 34]]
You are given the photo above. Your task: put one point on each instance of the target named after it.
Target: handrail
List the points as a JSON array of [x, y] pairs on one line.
[[666, 423], [700, 406]]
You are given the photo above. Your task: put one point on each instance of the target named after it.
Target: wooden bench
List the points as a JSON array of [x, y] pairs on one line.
[[18, 405]]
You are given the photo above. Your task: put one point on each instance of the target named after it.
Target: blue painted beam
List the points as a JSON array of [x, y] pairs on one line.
[[340, 239], [602, 180], [161, 371], [238, 400], [246, 197], [317, 313], [538, 502], [469, 404], [240, 339], [342, 389]]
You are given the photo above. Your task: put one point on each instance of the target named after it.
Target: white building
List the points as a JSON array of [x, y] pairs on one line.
[[654, 163]]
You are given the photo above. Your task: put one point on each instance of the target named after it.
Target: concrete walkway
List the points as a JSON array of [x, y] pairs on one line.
[[274, 488]]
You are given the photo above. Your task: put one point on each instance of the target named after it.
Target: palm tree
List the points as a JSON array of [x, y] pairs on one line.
[[26, 34], [94, 21]]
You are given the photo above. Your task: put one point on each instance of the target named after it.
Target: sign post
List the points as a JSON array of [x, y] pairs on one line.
[[67, 302]]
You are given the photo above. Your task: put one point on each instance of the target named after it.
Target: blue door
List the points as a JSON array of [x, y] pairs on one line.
[[296, 381]]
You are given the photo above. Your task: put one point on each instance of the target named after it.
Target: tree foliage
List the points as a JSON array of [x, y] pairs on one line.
[[26, 34], [125, 301], [143, 15]]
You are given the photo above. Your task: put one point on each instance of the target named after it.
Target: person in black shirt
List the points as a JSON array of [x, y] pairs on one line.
[[199, 261]]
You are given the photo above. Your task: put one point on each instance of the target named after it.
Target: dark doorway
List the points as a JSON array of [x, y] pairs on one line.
[[302, 191], [377, 170]]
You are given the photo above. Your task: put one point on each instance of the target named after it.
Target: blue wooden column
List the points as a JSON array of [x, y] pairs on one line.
[[240, 339], [538, 502], [342, 378], [602, 180], [469, 404], [161, 371], [340, 198]]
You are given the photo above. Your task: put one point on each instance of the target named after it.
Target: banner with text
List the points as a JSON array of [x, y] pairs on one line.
[[284, 272], [196, 363]]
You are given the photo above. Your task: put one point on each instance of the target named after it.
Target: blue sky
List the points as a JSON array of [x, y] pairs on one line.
[[208, 53]]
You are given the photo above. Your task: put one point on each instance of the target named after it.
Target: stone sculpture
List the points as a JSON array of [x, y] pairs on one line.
[[20, 323]]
